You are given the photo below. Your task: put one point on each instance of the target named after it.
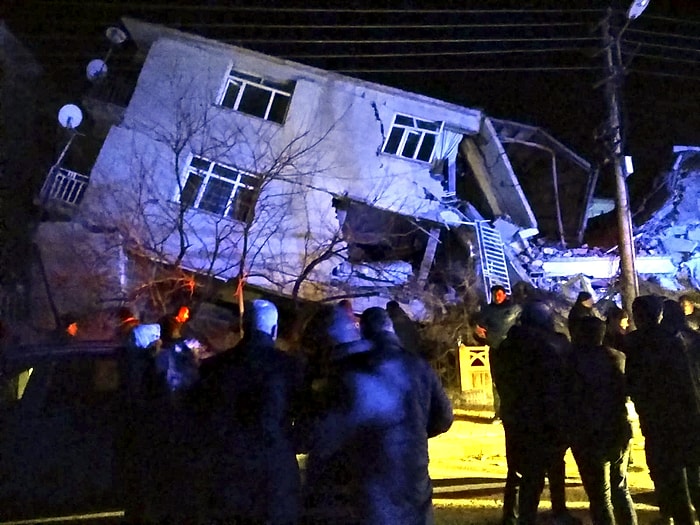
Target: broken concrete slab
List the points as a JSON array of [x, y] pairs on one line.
[[677, 244], [605, 267]]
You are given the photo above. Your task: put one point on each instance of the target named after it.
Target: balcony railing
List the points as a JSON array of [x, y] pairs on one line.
[[64, 187]]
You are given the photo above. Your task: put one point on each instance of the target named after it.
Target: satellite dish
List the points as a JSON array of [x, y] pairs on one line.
[[636, 9], [96, 69], [70, 116], [115, 35]]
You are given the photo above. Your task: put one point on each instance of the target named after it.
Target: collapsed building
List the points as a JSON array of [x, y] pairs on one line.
[[217, 168]]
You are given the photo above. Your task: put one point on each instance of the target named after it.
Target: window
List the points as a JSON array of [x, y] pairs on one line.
[[258, 97], [412, 138], [225, 191]]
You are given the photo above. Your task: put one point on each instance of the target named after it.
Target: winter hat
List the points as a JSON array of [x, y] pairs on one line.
[[537, 314], [375, 320], [342, 327], [647, 310]]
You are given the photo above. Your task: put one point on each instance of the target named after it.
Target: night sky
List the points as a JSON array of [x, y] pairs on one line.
[[531, 61]]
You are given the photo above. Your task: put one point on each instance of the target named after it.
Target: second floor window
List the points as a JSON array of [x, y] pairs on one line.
[[257, 96], [219, 189], [412, 138]]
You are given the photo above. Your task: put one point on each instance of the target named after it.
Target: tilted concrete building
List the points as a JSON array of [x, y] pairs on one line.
[[238, 166]]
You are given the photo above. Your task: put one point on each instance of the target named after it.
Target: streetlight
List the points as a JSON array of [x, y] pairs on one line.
[[615, 74]]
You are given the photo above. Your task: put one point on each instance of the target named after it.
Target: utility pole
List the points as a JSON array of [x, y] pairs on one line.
[[613, 83]]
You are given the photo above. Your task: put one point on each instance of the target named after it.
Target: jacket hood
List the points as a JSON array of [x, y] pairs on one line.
[[343, 350]]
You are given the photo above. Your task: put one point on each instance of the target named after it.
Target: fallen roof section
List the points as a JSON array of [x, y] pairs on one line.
[[558, 183]]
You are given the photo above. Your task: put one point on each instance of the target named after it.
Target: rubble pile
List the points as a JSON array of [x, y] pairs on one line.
[[667, 245], [674, 229]]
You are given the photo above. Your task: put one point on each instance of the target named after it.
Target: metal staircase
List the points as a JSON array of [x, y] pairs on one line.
[[494, 268]]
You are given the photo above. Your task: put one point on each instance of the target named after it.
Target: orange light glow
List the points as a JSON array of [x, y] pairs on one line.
[[183, 314], [72, 329]]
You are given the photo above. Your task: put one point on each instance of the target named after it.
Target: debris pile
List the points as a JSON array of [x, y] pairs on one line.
[[674, 229], [667, 244]]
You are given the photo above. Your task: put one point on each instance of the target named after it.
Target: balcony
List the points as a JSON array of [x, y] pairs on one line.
[[63, 191]]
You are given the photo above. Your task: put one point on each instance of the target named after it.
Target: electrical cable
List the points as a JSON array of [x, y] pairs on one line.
[[662, 74], [442, 27], [661, 46], [408, 41], [468, 69], [665, 35], [434, 53]]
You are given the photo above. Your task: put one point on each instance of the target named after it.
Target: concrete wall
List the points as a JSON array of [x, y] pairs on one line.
[[330, 144]]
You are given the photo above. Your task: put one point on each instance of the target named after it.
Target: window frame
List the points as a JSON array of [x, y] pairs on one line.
[[275, 89], [408, 132], [209, 174]]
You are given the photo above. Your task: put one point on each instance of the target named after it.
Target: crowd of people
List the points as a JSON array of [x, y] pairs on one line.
[[558, 393], [215, 439]]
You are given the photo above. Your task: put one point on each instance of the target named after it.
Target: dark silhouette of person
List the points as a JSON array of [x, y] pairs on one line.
[[405, 329], [492, 325], [616, 325], [532, 371], [369, 446], [582, 308], [249, 398], [602, 437], [665, 389]]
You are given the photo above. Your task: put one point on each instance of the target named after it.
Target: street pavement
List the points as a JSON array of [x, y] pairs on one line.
[[468, 468]]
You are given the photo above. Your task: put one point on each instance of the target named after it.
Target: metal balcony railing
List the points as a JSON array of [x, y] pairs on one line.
[[65, 187]]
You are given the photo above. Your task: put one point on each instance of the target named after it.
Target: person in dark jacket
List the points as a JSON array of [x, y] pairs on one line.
[[492, 325], [249, 397], [583, 307], [532, 371], [674, 322], [666, 394], [603, 433], [369, 451], [405, 329], [616, 325]]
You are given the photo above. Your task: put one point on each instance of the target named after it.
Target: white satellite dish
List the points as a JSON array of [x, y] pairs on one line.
[[96, 69], [636, 9], [115, 35], [70, 116]]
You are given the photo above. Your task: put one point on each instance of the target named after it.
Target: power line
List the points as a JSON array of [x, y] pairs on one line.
[[169, 7], [467, 69], [410, 54], [674, 20], [666, 35], [434, 53], [410, 40], [225, 25], [661, 46], [663, 74], [664, 58]]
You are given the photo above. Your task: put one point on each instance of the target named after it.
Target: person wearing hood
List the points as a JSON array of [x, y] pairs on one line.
[[602, 438], [248, 400], [583, 308], [368, 447], [666, 394], [532, 372]]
